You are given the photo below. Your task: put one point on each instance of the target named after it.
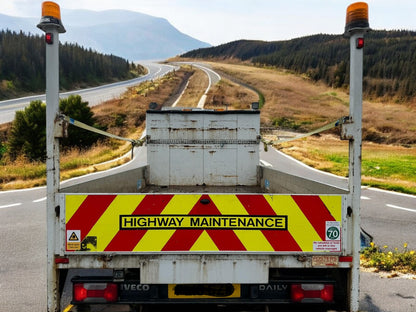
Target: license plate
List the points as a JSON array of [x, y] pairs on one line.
[[325, 261], [204, 291]]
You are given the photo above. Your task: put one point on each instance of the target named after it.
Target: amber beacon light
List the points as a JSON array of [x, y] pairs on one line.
[[51, 16], [357, 18]]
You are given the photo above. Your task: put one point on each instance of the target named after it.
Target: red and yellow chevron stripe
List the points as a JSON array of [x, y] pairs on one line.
[[202, 222]]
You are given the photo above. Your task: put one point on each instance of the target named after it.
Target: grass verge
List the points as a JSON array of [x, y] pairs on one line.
[[23, 173], [384, 166]]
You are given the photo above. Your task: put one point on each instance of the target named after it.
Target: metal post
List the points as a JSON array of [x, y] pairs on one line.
[[52, 165], [356, 25], [356, 81], [51, 24]]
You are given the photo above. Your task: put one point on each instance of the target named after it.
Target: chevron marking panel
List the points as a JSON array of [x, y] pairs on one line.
[[203, 222]]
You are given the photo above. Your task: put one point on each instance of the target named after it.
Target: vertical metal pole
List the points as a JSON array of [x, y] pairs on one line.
[[52, 165], [356, 82], [51, 24]]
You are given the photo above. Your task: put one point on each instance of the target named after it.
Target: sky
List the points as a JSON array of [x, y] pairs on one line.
[[222, 21]]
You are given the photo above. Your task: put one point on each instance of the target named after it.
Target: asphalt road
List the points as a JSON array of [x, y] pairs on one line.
[[23, 243]]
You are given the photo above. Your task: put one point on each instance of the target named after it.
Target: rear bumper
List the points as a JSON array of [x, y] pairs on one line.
[[275, 292]]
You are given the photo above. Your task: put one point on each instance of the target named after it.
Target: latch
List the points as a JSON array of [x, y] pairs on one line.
[[60, 129], [347, 129]]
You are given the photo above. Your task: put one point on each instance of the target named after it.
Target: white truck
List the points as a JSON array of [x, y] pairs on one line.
[[203, 222]]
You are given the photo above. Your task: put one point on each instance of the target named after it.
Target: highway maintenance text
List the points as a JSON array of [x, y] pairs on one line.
[[245, 222]]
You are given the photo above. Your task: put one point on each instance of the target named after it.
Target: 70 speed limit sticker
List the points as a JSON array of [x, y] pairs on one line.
[[332, 238], [333, 230]]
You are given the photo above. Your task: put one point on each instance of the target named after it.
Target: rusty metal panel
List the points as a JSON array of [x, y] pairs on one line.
[[186, 165], [247, 127], [247, 174], [219, 165], [203, 147], [158, 157]]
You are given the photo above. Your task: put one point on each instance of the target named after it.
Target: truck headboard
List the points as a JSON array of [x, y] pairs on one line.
[[203, 147]]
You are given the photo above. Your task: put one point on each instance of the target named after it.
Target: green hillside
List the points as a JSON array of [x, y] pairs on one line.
[[22, 65], [389, 59]]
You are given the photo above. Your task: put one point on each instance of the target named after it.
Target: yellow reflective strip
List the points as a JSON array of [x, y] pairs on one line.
[[298, 225], [254, 240], [334, 205], [108, 225], [72, 203], [181, 204], [155, 240], [204, 243], [228, 204]]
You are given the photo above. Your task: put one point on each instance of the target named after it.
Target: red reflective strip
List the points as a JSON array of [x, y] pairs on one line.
[[345, 259], [182, 240], [126, 240], [61, 260], [315, 211], [279, 240], [89, 213], [226, 240]]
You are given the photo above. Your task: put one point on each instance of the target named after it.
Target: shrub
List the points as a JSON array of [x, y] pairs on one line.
[[74, 107], [28, 132]]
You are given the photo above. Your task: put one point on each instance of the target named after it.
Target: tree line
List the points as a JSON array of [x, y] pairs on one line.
[[22, 65], [389, 59]]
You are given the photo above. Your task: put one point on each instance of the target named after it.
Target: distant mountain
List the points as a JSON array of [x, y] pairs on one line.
[[389, 59], [128, 34]]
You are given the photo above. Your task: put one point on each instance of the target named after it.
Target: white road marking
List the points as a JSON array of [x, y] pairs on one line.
[[365, 197], [11, 205], [401, 208], [39, 200]]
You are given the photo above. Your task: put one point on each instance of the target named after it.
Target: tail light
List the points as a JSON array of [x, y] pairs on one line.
[[312, 293], [95, 292]]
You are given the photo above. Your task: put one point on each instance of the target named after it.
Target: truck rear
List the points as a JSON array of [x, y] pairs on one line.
[[203, 222]]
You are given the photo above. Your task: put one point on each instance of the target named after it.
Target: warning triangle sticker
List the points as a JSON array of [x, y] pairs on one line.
[[73, 237]]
